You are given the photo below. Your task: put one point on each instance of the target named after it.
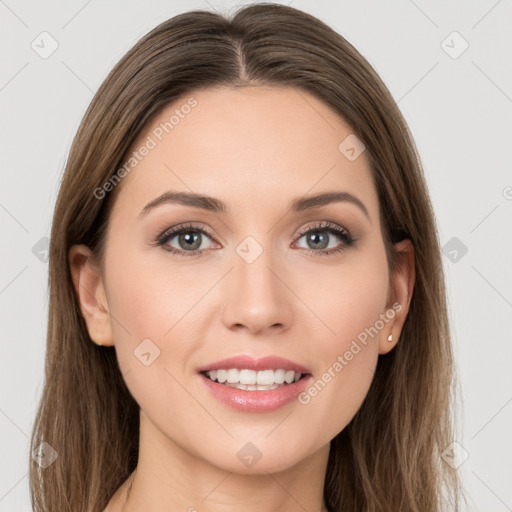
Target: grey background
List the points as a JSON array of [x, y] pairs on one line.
[[459, 111]]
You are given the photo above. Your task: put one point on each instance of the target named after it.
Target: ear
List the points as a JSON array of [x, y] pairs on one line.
[[401, 290], [91, 294]]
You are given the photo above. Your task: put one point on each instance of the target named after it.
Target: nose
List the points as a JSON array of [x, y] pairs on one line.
[[257, 298]]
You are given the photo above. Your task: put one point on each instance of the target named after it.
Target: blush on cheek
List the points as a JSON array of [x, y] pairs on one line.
[[355, 311], [134, 296]]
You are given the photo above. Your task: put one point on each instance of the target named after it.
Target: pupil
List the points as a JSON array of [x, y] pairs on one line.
[[191, 240], [314, 237]]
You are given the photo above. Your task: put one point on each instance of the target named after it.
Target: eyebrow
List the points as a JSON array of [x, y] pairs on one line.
[[217, 206]]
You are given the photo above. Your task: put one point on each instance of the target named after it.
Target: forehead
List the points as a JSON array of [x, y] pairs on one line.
[[249, 146]]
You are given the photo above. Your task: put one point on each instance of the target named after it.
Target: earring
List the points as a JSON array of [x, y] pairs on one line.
[[94, 341], [390, 337]]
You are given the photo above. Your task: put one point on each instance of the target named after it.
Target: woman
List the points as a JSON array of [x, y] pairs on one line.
[[247, 304]]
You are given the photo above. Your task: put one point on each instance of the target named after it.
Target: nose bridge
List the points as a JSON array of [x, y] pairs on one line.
[[257, 298], [252, 270], [252, 267]]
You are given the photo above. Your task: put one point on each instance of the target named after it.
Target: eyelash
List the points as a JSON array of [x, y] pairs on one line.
[[327, 227]]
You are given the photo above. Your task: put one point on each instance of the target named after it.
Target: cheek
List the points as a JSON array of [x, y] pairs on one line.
[[333, 398], [148, 295], [148, 305], [140, 307], [348, 297], [136, 302], [157, 320], [348, 351]]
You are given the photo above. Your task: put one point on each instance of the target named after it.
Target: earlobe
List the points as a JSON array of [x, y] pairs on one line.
[[90, 291], [402, 283]]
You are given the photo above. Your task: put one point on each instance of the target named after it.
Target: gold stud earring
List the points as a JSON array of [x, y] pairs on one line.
[[94, 341], [390, 337]]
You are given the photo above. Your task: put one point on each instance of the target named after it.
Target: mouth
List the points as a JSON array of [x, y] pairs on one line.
[[246, 379], [251, 384], [255, 391]]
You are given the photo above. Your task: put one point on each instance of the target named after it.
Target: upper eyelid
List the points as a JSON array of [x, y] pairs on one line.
[[187, 227], [329, 226]]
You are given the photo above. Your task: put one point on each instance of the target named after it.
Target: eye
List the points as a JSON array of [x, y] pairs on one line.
[[320, 239], [189, 239]]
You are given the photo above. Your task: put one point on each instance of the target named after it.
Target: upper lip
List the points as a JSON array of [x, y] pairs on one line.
[[250, 363]]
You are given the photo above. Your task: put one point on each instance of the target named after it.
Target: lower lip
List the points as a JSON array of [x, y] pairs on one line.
[[256, 401]]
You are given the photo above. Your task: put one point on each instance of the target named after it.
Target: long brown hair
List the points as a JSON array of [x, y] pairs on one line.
[[388, 458]]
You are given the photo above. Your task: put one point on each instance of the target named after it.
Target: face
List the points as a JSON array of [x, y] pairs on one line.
[[257, 271]]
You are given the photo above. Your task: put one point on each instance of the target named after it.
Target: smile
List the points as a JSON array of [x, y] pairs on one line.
[[255, 398], [252, 380]]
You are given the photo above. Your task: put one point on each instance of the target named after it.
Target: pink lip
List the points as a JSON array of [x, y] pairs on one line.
[[256, 401], [247, 362]]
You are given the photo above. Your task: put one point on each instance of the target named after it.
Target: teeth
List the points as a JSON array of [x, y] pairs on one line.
[[279, 376], [246, 387], [253, 380], [248, 377], [289, 376], [233, 376]]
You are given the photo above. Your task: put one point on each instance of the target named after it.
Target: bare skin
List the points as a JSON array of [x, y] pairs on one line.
[[256, 149]]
